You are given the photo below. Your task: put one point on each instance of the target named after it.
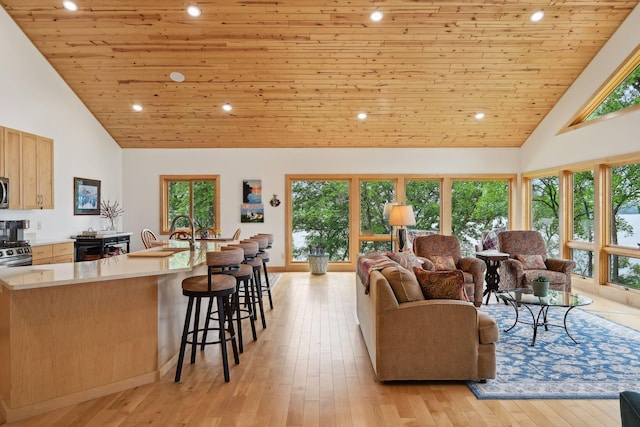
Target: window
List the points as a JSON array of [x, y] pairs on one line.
[[625, 203], [583, 222], [620, 92], [374, 194], [320, 217], [193, 195], [624, 268], [424, 196], [478, 206], [626, 94], [545, 211]]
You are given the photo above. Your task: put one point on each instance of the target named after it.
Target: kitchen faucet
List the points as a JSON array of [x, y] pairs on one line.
[[192, 241]]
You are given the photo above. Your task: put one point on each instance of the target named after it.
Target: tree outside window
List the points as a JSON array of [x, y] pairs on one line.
[[424, 196], [625, 223], [320, 217], [545, 211], [583, 220], [478, 206], [191, 196]]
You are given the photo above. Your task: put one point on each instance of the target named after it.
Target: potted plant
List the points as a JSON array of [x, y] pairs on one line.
[[540, 285], [318, 259]]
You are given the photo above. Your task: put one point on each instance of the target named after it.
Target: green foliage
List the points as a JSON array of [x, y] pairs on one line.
[[626, 94], [424, 196], [373, 196], [478, 206], [541, 278], [202, 193], [321, 215], [545, 211]]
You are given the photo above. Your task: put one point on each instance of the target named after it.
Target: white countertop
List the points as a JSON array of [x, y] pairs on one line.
[[34, 242], [113, 268]]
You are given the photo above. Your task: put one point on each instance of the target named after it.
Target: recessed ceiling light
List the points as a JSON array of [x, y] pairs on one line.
[[376, 16], [227, 107], [69, 5], [479, 116], [176, 76], [136, 107], [194, 11], [362, 116], [537, 16]]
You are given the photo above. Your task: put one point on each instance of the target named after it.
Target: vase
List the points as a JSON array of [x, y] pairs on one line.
[[318, 263], [540, 289]]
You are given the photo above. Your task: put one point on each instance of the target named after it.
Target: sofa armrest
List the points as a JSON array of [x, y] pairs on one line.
[[511, 272], [477, 268], [565, 266], [488, 329]]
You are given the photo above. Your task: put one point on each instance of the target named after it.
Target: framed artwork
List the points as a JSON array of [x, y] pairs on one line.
[[252, 212], [252, 191], [86, 196]]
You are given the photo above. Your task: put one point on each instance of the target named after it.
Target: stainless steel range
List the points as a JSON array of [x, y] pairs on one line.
[[14, 250], [15, 254]]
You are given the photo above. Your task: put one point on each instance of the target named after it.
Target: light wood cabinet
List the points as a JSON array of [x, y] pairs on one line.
[[37, 168], [52, 254], [13, 165], [27, 160]]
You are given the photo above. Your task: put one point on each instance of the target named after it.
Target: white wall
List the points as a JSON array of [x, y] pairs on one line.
[[142, 169], [617, 136], [33, 98]]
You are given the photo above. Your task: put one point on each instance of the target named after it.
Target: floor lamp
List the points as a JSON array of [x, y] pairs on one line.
[[385, 215], [401, 216]]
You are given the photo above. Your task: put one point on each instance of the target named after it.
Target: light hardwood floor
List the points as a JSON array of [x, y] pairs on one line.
[[310, 368]]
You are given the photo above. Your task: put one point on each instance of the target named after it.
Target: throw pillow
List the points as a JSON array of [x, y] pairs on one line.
[[532, 262], [404, 284], [441, 284], [443, 263], [406, 259]]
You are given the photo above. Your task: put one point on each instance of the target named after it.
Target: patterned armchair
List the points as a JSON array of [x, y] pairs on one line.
[[473, 269], [524, 243]]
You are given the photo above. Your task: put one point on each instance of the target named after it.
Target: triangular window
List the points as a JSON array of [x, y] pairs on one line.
[[620, 92], [626, 94]]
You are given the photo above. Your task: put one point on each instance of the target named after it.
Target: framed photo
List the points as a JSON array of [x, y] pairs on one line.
[[252, 212], [86, 196], [252, 191]]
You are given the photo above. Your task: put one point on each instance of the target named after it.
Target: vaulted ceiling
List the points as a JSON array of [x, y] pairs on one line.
[[297, 72]]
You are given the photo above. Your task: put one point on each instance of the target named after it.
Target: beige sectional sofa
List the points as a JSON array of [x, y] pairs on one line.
[[434, 339]]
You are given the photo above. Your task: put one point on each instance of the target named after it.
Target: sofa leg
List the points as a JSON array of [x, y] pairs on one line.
[[482, 381], [477, 304]]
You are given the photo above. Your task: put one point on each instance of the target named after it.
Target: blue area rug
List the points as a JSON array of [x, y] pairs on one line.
[[606, 362]]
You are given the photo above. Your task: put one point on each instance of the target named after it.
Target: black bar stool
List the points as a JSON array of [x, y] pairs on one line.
[[223, 288], [243, 274], [263, 256], [250, 248]]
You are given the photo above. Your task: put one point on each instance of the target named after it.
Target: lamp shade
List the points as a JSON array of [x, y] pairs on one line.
[[402, 215], [387, 209]]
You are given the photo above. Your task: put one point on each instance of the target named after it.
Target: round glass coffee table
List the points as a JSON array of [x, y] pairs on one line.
[[524, 297]]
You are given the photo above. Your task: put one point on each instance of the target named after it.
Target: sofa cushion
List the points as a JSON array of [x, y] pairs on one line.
[[441, 284], [532, 262], [406, 259], [443, 263], [404, 284]]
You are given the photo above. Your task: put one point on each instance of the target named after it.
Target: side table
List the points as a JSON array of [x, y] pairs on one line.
[[492, 258]]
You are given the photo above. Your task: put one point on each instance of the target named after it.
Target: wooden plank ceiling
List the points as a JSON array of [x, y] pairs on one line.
[[297, 72]]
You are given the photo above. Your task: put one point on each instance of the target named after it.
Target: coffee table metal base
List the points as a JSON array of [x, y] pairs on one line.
[[539, 320]]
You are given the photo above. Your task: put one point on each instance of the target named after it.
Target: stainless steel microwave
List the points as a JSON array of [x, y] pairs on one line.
[[4, 193]]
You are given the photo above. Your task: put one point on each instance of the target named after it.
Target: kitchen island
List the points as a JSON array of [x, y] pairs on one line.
[[76, 331]]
